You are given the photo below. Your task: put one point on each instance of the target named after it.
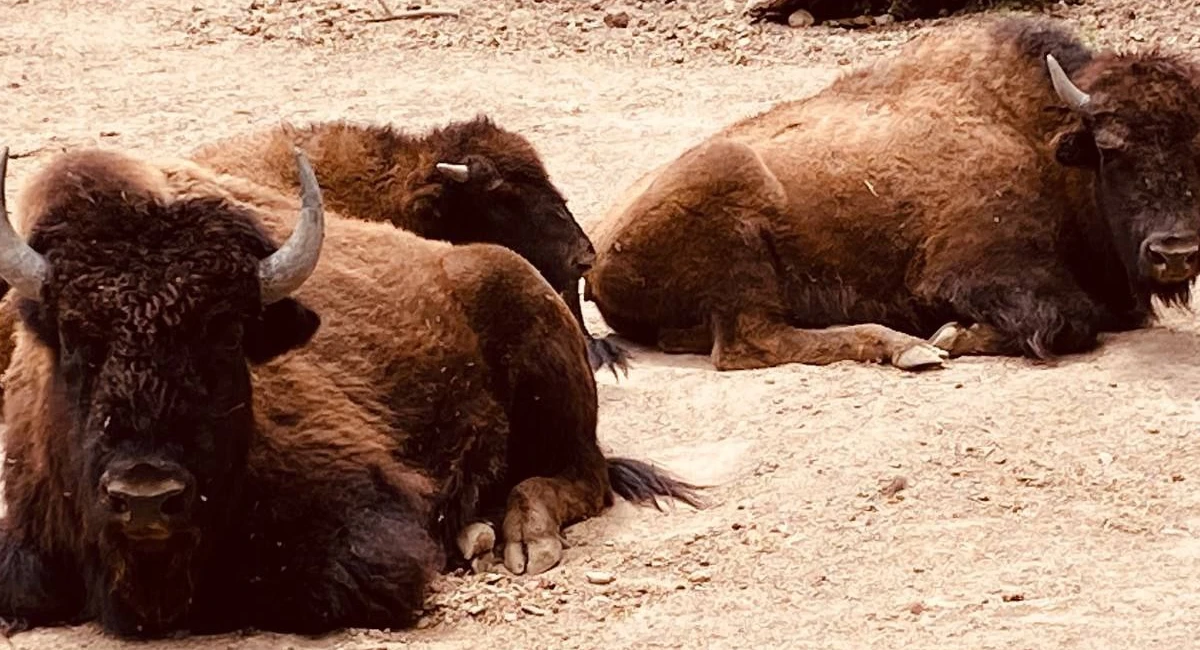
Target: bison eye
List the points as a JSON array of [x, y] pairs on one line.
[[224, 332]]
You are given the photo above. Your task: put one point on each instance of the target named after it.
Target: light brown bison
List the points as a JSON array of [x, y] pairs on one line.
[[206, 432], [467, 182], [1003, 190]]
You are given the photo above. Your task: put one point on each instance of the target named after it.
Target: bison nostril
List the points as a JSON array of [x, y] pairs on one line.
[[173, 505], [1155, 257], [585, 261], [118, 505]]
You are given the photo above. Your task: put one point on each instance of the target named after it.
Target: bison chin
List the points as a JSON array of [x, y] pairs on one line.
[[1176, 294], [145, 588]]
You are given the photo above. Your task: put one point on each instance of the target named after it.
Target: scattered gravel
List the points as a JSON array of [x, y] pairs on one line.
[[658, 32]]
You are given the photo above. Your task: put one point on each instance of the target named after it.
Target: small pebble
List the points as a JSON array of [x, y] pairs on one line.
[[599, 577], [533, 610], [800, 18], [699, 577], [619, 20]]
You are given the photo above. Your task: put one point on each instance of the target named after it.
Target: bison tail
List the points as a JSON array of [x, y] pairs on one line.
[[641, 482]]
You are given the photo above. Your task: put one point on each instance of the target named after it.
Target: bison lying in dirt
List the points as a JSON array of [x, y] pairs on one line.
[[1002, 190], [206, 432], [469, 181]]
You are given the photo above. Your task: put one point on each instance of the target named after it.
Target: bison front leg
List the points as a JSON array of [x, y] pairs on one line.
[[32, 592], [978, 339], [1038, 314], [368, 569]]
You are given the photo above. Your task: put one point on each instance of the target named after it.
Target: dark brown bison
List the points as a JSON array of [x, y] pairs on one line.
[[467, 182], [1003, 190], [206, 432]]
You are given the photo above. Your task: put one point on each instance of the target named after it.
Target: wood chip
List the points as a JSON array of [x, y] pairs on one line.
[[895, 486], [533, 610]]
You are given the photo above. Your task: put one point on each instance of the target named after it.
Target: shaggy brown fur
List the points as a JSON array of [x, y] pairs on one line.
[[336, 443], [377, 173], [948, 184]]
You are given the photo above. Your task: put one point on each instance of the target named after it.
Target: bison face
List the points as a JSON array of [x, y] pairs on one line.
[[161, 418], [1137, 132], [152, 311], [520, 210]]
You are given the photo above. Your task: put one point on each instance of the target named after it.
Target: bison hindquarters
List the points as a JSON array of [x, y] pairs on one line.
[[555, 471], [693, 267]]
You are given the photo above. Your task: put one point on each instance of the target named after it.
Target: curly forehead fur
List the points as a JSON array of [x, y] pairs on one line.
[[1150, 89], [120, 238]]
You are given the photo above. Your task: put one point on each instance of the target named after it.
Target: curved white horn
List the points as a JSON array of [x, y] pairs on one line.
[[287, 268], [23, 268], [454, 172], [1066, 89]]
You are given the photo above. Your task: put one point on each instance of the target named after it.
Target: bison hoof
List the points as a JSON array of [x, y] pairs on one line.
[[604, 353], [476, 539], [920, 357], [476, 543], [532, 557], [946, 336], [11, 626]]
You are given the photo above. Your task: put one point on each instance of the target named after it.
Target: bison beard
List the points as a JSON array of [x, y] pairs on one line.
[[140, 592]]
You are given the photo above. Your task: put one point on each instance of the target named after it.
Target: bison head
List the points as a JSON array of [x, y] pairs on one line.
[[500, 193], [152, 309], [1138, 122]]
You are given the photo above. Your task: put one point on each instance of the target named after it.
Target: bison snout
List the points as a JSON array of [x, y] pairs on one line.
[[146, 499], [1172, 257], [586, 259]]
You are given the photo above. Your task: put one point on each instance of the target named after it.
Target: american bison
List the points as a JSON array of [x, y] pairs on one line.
[[206, 432], [1003, 190], [469, 181]]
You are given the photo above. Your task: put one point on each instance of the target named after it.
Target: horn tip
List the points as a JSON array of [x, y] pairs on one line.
[[455, 171]]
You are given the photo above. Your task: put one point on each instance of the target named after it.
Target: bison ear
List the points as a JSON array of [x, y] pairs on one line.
[[1076, 149], [284, 325], [476, 171]]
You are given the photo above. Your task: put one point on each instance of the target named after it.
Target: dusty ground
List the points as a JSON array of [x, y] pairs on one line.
[[1044, 507]]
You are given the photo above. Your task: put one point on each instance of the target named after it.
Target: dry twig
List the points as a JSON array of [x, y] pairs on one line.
[[416, 13]]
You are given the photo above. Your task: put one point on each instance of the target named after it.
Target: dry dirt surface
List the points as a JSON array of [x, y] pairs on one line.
[[993, 504]]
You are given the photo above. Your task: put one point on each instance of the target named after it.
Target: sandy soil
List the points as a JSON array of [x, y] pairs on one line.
[[1042, 506]]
